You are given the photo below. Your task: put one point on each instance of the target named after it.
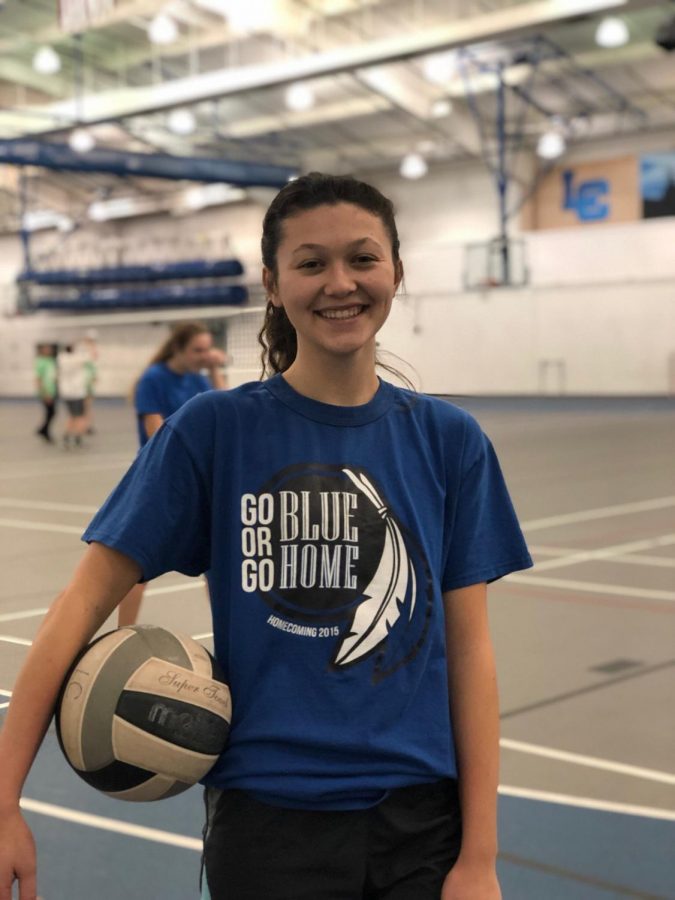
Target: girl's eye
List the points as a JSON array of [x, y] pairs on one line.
[[363, 259], [310, 264]]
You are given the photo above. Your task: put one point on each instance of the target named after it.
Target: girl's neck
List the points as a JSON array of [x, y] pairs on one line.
[[175, 366], [340, 381]]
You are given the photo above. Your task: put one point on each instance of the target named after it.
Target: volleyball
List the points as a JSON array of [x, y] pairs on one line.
[[143, 713]]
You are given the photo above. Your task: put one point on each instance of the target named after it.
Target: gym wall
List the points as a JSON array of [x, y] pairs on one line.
[[597, 316]]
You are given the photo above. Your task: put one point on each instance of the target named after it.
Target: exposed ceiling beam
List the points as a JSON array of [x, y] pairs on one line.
[[501, 24], [52, 34]]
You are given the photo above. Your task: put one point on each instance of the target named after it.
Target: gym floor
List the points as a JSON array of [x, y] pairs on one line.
[[584, 646]]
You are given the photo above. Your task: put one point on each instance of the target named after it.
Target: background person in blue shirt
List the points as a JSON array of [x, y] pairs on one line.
[[348, 529], [173, 376]]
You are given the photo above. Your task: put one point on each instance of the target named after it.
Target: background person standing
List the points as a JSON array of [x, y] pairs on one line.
[[73, 389], [91, 370], [46, 384], [173, 376]]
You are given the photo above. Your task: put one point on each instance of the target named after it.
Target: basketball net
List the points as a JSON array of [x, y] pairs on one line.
[[78, 15]]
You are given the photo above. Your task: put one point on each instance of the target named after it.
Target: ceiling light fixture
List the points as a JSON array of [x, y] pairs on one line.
[[46, 61], [440, 108], [182, 121], [299, 97], [81, 140], [612, 32], [251, 16], [216, 194], [440, 67], [551, 144], [413, 166], [39, 219], [162, 29]]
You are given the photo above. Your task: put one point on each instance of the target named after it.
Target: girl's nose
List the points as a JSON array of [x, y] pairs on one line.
[[339, 281]]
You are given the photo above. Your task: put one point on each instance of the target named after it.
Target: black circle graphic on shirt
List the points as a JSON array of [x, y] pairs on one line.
[[327, 538]]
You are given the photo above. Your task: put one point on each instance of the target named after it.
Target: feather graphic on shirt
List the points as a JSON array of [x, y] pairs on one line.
[[385, 596]]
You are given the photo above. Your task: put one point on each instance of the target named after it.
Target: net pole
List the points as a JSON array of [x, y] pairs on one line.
[[502, 178]]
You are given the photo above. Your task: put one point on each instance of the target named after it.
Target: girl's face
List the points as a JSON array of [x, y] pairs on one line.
[[195, 355], [336, 278]]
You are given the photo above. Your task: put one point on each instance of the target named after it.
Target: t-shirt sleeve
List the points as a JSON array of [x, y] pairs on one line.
[[483, 540], [148, 395], [159, 514]]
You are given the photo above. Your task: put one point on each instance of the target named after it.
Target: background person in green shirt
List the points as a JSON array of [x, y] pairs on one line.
[[91, 372], [47, 386]]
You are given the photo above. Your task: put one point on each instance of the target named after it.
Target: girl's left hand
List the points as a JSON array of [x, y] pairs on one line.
[[466, 881], [216, 359]]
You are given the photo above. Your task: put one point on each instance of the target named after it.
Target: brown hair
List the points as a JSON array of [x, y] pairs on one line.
[[179, 337], [277, 337]]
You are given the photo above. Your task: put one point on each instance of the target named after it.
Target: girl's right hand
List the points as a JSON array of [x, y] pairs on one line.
[[17, 857]]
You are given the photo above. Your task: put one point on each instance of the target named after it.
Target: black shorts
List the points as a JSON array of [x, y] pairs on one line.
[[401, 849], [75, 408]]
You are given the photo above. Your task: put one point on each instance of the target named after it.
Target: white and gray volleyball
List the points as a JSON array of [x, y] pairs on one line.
[[144, 713]]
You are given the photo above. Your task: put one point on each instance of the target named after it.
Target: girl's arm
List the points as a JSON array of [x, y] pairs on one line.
[[475, 721], [152, 422], [217, 360], [100, 581]]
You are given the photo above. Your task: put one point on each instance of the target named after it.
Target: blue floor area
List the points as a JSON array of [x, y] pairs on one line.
[[553, 852], [77, 862], [548, 851]]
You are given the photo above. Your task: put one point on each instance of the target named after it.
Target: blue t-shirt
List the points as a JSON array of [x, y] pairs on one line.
[[328, 535], [163, 391]]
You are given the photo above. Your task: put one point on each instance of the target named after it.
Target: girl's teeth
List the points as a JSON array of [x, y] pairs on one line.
[[341, 313]]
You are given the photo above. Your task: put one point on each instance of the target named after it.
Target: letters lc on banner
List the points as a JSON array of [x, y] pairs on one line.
[[572, 196]]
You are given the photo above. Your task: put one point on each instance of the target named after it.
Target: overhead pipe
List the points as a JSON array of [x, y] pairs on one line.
[[30, 152]]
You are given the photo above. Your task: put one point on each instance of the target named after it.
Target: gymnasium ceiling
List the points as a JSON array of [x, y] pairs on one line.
[[366, 62]]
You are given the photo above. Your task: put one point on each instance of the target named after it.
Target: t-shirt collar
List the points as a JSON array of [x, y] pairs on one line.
[[328, 413]]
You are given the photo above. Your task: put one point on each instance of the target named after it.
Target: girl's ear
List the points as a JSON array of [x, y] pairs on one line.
[[270, 285], [398, 274]]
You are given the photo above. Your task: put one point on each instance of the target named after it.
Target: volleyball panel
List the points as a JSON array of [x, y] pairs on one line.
[[73, 702], [136, 747], [144, 713]]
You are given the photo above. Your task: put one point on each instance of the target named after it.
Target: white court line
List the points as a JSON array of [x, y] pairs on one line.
[[593, 587], [573, 559], [174, 588], [107, 824], [640, 559], [56, 473], [545, 550], [190, 843], [24, 614], [603, 512], [635, 558], [648, 812], [9, 639], [593, 762], [40, 526], [37, 504], [150, 592]]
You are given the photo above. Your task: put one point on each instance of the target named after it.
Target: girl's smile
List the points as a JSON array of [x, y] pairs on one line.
[[336, 278]]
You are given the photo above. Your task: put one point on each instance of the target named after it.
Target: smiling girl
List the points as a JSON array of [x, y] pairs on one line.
[[348, 529]]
